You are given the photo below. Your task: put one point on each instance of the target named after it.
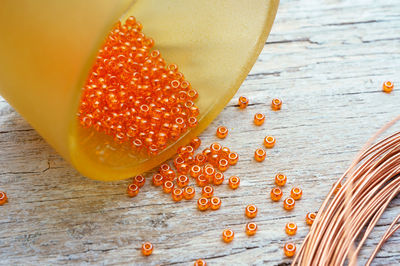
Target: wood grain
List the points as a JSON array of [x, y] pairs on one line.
[[325, 59]]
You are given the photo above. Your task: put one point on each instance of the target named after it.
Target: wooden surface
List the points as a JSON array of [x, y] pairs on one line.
[[325, 59]]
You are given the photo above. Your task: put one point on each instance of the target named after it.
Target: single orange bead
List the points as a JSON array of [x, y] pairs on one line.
[[206, 152], [296, 193], [276, 104], [280, 179], [291, 228], [202, 181], [243, 102], [182, 181], [195, 171], [222, 132], [310, 217], [215, 148], [3, 197], [251, 211], [251, 228], [200, 262], [288, 204], [133, 190], [218, 178], [139, 180], [195, 143], [228, 235], [147, 248], [233, 158], [259, 155], [276, 194], [289, 249], [189, 192], [158, 180], [178, 161], [215, 203], [225, 152], [169, 175], [387, 86], [209, 173], [200, 159], [177, 194], [168, 186], [223, 165], [183, 169], [234, 182], [207, 191], [203, 203], [259, 119], [269, 142]]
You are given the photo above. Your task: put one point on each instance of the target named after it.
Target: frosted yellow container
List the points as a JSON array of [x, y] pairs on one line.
[[48, 46]]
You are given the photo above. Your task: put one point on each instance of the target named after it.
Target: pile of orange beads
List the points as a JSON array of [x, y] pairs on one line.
[[132, 94]]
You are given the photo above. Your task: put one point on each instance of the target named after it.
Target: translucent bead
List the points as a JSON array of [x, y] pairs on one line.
[[3, 197], [209, 173], [195, 171], [195, 143], [233, 158], [276, 194], [215, 203], [251, 211], [269, 142], [310, 217], [178, 161], [170, 175], [182, 181], [133, 190], [200, 262], [222, 132], [280, 179], [276, 104], [147, 249], [215, 148], [259, 119], [289, 249], [296, 193], [202, 181], [259, 155], [183, 169], [228, 235], [291, 228], [251, 229], [189, 192], [203, 204], [387, 86], [288, 204], [139, 180], [218, 178], [206, 152], [200, 159], [177, 194], [207, 191], [243, 102], [168, 186], [158, 180], [234, 182], [223, 165]]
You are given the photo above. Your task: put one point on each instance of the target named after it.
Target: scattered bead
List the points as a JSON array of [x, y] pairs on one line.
[[288, 204], [228, 235], [243, 102], [158, 180], [177, 194], [222, 132], [168, 186], [169, 175], [3, 197], [276, 194], [387, 86], [203, 203], [233, 158], [296, 193], [209, 173], [280, 179], [183, 169], [269, 142], [234, 182], [182, 181], [189, 192], [276, 104], [165, 167], [289, 249], [251, 228], [195, 171], [139, 180], [195, 143], [200, 262], [291, 228], [310, 217], [259, 119], [133, 190], [223, 165], [147, 249], [215, 148], [200, 159], [259, 155], [202, 181], [207, 191], [251, 211], [215, 203], [218, 178]]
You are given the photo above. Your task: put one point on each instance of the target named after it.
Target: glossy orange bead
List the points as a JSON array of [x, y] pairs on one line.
[[209, 173], [218, 178], [195, 171], [3, 197], [291, 228], [169, 175], [251, 211], [288, 204], [259, 119], [276, 104], [280, 179], [164, 168], [200, 159], [200, 262], [215, 203], [234, 182], [168, 186], [387, 86], [183, 169], [222, 132], [296, 193], [207, 191], [189, 192], [228, 235], [158, 180], [251, 229], [147, 248], [178, 161], [243, 102], [276, 194], [233, 158], [259, 155], [310, 217], [223, 165], [182, 181], [177, 194], [139, 180], [203, 203], [215, 148], [225, 152], [269, 142], [202, 181], [195, 143], [133, 190], [289, 249]]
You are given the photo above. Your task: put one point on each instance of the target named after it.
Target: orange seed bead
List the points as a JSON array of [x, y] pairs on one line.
[[209, 172], [296, 193], [310, 217], [215, 148], [189, 192], [259, 155], [223, 165], [291, 228], [288, 204], [3, 197], [233, 158], [195, 171], [243, 102], [222, 132], [139, 180], [182, 181], [170, 175], [177, 194], [228, 235], [269, 142], [259, 119], [147, 248], [168, 186], [158, 180], [203, 203], [195, 143], [387, 86], [276, 104], [251, 211], [280, 179], [164, 168], [202, 181], [276, 194], [289, 249], [200, 159], [133, 190], [251, 228], [200, 262], [218, 178], [215, 203], [234, 182], [207, 191]]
